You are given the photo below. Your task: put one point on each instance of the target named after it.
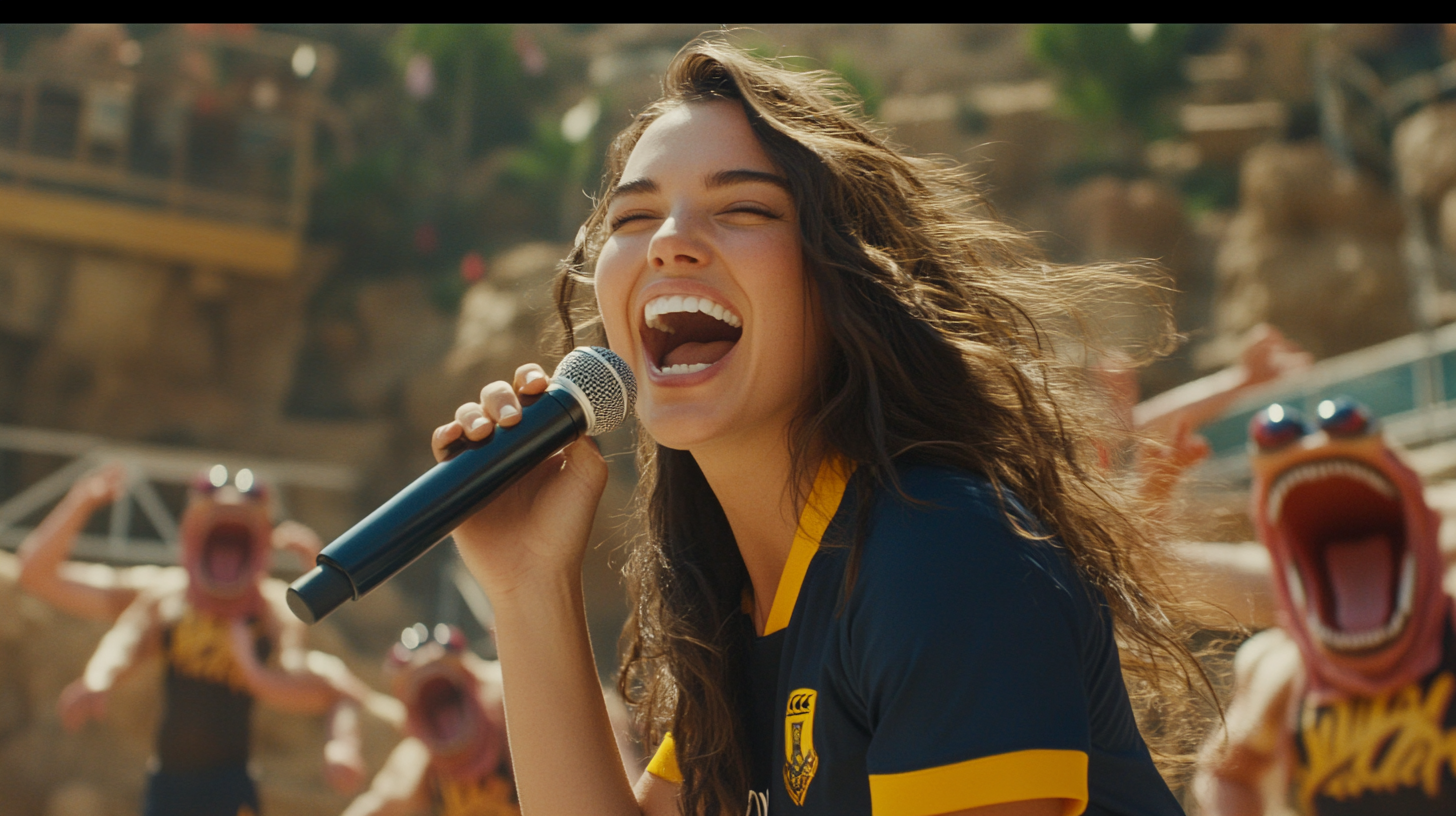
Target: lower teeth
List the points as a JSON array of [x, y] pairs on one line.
[[684, 368]]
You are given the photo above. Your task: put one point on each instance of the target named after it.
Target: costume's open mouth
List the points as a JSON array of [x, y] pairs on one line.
[[685, 334], [443, 712], [227, 554], [1343, 524]]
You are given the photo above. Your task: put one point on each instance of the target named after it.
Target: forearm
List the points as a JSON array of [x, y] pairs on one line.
[[294, 692], [49, 544], [1197, 402], [118, 652], [563, 750], [344, 722]]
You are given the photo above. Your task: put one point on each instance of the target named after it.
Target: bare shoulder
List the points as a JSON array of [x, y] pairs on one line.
[[1267, 668], [1270, 656]]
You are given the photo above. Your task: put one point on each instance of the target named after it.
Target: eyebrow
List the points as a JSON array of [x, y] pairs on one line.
[[722, 178], [725, 178]]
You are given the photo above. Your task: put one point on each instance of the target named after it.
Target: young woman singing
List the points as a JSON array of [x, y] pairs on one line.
[[876, 574]]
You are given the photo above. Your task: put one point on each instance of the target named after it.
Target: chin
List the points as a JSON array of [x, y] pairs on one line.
[[684, 426]]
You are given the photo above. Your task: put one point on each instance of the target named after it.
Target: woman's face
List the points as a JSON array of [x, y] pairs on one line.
[[701, 281]]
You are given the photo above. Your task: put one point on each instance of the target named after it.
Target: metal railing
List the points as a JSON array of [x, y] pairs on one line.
[[146, 467], [1408, 382]]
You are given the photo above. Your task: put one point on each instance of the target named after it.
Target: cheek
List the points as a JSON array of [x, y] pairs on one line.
[[614, 281]]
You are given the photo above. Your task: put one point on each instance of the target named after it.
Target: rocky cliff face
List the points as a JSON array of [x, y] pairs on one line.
[[1313, 249]]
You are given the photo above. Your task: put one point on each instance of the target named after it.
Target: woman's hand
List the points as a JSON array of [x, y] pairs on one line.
[[537, 529]]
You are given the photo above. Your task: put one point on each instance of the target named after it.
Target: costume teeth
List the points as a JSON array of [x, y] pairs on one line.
[[1327, 469], [1296, 586], [670, 304]]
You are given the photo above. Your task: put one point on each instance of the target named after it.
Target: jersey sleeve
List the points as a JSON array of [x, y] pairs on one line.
[[664, 761], [964, 645]]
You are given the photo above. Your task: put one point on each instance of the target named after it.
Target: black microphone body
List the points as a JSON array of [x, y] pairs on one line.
[[592, 393], [423, 514]]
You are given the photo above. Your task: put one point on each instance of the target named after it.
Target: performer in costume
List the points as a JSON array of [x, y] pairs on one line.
[[221, 626], [455, 761], [101, 592], [1348, 701], [875, 576]]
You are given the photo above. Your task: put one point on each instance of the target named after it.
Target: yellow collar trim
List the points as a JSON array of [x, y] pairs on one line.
[[819, 510]]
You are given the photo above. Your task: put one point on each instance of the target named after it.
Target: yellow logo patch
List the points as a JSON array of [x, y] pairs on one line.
[[1380, 744], [200, 649], [800, 760], [492, 796]]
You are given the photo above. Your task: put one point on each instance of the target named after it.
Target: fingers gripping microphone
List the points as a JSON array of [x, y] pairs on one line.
[[591, 393]]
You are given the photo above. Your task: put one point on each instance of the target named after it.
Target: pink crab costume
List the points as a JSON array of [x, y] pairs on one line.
[[1350, 698]]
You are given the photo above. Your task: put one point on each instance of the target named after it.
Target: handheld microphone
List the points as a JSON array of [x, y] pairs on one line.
[[591, 393]]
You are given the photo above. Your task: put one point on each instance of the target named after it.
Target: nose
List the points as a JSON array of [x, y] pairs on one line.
[[677, 243]]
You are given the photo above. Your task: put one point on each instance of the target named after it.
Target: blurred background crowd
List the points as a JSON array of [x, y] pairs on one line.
[[297, 248]]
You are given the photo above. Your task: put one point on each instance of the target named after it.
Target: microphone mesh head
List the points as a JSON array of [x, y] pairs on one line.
[[605, 380]]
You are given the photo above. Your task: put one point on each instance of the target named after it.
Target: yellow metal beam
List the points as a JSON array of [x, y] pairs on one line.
[[247, 249]]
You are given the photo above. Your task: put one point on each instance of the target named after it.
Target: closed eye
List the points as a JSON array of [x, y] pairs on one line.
[[620, 221], [749, 214]]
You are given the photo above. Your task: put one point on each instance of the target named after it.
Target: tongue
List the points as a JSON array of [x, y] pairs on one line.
[[691, 353], [1361, 573], [225, 562], [446, 722]]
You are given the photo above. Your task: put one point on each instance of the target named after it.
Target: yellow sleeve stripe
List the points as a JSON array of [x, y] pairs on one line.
[[1015, 777], [819, 510], [664, 762]]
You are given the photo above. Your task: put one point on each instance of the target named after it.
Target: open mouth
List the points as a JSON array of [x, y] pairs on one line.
[[1350, 568], [227, 553], [443, 711], [687, 334]]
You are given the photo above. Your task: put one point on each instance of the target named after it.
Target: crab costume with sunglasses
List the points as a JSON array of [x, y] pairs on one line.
[[225, 643], [1349, 700], [454, 761]]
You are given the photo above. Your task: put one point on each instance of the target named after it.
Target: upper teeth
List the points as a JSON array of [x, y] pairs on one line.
[[669, 304], [1325, 470]]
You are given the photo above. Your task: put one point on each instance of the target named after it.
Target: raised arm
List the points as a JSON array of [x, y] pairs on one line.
[[91, 591], [1267, 356], [526, 549]]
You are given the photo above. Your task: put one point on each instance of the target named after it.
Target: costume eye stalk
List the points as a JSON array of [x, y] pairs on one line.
[[1344, 418], [1276, 427]]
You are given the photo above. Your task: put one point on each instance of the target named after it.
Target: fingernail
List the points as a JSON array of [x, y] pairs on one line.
[[477, 423], [534, 376], [508, 411]]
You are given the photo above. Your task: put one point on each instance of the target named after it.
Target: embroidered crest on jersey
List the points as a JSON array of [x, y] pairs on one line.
[[200, 649], [800, 760], [1379, 745], [491, 796]]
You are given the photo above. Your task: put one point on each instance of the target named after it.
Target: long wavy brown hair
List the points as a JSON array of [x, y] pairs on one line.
[[950, 341]]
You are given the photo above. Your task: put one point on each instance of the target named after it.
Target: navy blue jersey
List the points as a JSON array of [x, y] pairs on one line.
[[969, 666]]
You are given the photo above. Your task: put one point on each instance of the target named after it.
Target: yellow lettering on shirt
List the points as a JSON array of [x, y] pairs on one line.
[[200, 649], [1379, 745], [492, 796]]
